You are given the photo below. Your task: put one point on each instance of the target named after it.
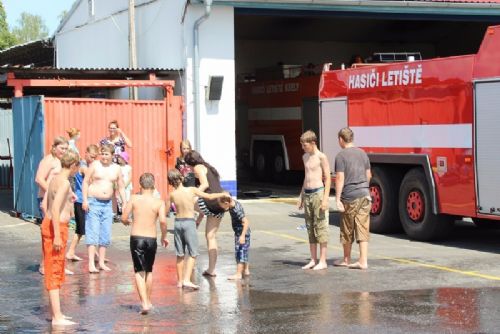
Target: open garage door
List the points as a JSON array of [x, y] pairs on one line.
[[279, 58]]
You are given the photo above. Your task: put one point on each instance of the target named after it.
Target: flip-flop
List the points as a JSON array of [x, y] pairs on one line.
[[206, 273]]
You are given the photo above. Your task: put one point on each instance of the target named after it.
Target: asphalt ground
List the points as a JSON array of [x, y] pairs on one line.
[[452, 286]]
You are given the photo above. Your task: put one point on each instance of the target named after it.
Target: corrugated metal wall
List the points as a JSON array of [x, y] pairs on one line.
[[5, 133], [144, 122], [29, 141]]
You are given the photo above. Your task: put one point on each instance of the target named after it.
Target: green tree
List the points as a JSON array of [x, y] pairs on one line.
[[62, 15], [30, 28], [6, 38]]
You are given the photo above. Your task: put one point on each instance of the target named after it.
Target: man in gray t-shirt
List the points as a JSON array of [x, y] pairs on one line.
[[352, 182]]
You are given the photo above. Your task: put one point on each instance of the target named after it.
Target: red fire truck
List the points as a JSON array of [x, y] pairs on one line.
[[272, 114], [432, 131]]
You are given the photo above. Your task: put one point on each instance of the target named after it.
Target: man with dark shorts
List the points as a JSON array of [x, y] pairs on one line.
[[90, 155], [146, 210], [352, 183]]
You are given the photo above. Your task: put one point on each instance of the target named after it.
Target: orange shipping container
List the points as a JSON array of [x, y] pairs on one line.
[[154, 127]]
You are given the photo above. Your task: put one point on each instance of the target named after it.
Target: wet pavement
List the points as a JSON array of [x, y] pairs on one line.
[[447, 287]]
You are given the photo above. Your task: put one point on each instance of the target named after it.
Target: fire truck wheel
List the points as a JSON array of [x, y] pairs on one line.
[[384, 216], [278, 166], [486, 224], [415, 211], [261, 165]]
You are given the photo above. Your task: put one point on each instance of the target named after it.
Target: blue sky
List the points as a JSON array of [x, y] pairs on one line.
[[49, 10]]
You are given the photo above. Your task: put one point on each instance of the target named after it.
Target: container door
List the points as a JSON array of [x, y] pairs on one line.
[[28, 120], [487, 103], [332, 118]]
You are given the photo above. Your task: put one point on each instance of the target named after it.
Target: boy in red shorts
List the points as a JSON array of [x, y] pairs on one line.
[[55, 233]]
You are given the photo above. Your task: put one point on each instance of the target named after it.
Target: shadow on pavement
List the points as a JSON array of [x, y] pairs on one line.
[[6, 202]]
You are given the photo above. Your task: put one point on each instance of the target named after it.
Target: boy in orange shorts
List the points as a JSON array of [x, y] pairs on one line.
[[55, 233]]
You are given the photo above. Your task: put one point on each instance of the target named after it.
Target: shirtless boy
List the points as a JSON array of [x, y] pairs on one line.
[[185, 235], [314, 199], [146, 210], [49, 167], [90, 155], [55, 233], [97, 202]]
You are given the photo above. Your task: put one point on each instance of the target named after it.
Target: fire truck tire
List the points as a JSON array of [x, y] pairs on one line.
[[415, 211], [278, 166], [486, 224], [261, 164], [384, 216]]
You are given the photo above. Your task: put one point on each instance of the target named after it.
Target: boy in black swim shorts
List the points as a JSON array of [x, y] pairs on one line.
[[146, 210]]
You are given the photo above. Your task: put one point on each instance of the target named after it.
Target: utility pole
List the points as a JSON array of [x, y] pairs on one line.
[[132, 44]]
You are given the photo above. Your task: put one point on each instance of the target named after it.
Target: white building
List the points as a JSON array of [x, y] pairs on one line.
[[239, 36]]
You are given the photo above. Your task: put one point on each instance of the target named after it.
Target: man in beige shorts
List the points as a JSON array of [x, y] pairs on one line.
[[314, 199], [352, 183]]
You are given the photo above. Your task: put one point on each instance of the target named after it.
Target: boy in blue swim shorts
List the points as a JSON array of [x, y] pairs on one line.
[[97, 203]]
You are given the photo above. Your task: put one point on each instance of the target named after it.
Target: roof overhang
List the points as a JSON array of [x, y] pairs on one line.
[[465, 8]]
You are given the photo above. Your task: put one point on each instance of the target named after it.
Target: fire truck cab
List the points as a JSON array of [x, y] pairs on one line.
[[432, 131]]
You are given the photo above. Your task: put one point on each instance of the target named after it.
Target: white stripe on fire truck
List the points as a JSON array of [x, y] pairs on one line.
[[421, 136], [273, 114]]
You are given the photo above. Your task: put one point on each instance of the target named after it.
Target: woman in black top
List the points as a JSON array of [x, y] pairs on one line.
[[209, 182]]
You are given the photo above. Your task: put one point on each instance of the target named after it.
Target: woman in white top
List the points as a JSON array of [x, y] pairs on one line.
[[123, 161], [74, 135]]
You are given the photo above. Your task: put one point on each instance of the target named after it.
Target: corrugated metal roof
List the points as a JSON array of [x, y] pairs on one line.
[[46, 41], [50, 70], [35, 53], [460, 1]]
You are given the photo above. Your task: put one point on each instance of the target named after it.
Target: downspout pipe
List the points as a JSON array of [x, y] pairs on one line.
[[196, 72]]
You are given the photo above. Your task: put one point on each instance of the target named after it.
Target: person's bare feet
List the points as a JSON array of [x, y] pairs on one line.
[[320, 266], [234, 277], [62, 322], [93, 269], [190, 285], [357, 265], [179, 284], [97, 260], [73, 257], [309, 265], [340, 263], [104, 267]]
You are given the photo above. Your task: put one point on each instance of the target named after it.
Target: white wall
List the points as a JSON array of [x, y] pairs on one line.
[[216, 50], [164, 41]]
